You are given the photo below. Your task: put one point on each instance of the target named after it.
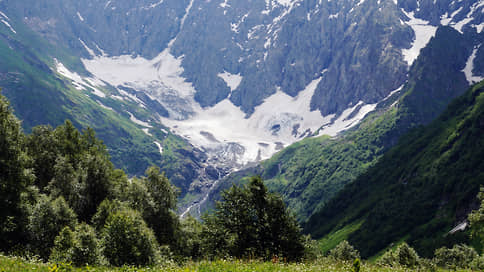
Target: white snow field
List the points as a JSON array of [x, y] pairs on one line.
[[279, 121]]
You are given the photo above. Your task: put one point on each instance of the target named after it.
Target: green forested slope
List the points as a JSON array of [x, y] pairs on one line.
[[420, 189]]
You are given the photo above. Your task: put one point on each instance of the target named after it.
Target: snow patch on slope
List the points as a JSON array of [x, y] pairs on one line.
[[140, 72], [278, 122], [225, 4], [470, 66], [4, 18], [423, 33], [160, 78], [80, 16], [344, 121], [460, 227], [154, 5], [232, 80], [224, 129], [89, 50], [137, 121], [445, 19], [286, 3], [160, 148], [79, 82], [104, 106], [147, 131], [256, 135]]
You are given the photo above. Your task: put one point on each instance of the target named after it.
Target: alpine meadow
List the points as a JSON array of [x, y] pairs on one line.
[[241, 135]]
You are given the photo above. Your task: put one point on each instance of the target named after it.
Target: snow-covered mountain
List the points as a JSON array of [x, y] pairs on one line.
[[243, 79]]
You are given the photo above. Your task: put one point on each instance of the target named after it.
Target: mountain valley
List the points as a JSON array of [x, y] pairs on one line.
[[308, 94]]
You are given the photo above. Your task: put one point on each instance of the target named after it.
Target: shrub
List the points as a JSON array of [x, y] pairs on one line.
[[128, 240], [345, 252], [476, 220], [459, 256], [407, 256], [106, 208], [63, 245], [388, 258], [478, 263], [79, 247], [311, 249], [48, 217], [191, 244], [14, 177], [427, 265], [404, 255]]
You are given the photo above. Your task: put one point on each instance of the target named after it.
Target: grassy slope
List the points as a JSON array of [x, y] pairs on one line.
[[420, 189], [311, 172]]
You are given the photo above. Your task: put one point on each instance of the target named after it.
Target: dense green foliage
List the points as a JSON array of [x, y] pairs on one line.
[[72, 206], [251, 222], [345, 252], [419, 189], [476, 219], [54, 181], [46, 219], [312, 171], [459, 256], [13, 177], [128, 240], [72, 165], [79, 246], [403, 255]]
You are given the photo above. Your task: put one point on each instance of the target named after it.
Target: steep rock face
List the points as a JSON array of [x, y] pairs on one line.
[[273, 47], [437, 76], [271, 44], [117, 27]]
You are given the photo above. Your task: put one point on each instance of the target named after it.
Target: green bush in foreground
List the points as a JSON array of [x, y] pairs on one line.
[[251, 222], [79, 247], [47, 218], [404, 255], [476, 219], [460, 256], [344, 252], [128, 240]]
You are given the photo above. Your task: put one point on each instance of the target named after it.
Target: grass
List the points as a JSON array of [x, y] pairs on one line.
[[331, 240], [393, 247], [16, 264]]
